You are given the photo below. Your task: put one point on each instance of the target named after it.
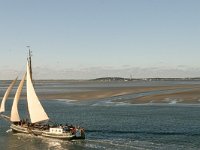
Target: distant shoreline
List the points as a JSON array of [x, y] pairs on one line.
[[108, 79]]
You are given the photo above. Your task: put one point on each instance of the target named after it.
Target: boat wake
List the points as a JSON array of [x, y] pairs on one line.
[[9, 131]]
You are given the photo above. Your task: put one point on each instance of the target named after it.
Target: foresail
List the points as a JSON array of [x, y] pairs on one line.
[[35, 108], [2, 108], [14, 111]]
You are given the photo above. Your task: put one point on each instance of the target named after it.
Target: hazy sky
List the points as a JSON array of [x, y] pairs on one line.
[[78, 39]]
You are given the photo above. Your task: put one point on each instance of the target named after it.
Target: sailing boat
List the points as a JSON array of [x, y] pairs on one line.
[[37, 124]]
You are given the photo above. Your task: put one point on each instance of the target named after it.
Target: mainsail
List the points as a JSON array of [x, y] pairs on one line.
[[2, 109], [35, 108], [14, 111]]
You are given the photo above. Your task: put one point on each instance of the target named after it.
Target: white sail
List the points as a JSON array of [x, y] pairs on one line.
[[35, 108], [14, 111], [2, 109]]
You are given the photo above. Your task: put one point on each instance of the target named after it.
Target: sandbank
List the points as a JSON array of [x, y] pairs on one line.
[[185, 94]]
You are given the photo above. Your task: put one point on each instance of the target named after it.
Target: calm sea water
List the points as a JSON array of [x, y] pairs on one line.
[[124, 126]]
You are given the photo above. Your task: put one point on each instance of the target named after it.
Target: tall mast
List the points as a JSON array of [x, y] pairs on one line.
[[29, 61], [30, 69]]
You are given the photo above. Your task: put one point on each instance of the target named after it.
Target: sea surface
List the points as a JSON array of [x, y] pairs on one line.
[[110, 124]]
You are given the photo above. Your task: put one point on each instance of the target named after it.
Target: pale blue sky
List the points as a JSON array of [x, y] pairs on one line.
[[93, 38]]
